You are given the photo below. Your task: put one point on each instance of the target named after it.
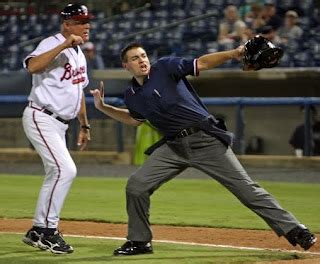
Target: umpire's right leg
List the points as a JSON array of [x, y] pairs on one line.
[[159, 168]]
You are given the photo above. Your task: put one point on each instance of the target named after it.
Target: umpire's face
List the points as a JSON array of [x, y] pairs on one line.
[[137, 62]]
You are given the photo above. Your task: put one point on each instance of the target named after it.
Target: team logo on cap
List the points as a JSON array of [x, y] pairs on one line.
[[76, 12]]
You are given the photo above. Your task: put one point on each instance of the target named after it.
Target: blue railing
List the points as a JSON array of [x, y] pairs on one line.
[[238, 102], [24, 99]]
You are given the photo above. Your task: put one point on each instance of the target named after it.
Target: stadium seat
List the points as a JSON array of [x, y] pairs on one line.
[[216, 4], [286, 60], [212, 46], [99, 15], [33, 19], [162, 13], [294, 46], [234, 2], [284, 5], [315, 33], [305, 22], [303, 59], [306, 6], [199, 5], [125, 25], [178, 14], [178, 4], [43, 18], [315, 52]]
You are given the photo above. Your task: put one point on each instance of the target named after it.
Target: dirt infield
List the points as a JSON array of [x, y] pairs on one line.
[[217, 236]]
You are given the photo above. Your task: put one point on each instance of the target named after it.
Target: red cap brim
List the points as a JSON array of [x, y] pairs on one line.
[[82, 17]]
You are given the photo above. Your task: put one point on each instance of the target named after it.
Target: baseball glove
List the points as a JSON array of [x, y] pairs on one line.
[[260, 53]]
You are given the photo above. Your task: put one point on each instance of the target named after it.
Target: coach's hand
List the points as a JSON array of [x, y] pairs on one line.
[[72, 41], [83, 138], [98, 95]]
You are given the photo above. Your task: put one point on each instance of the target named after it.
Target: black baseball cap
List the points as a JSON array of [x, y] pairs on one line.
[[76, 12]]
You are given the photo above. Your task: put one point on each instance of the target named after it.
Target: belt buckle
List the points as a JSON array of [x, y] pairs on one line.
[[184, 133]]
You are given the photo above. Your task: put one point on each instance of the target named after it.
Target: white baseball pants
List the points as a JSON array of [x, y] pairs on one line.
[[47, 135]]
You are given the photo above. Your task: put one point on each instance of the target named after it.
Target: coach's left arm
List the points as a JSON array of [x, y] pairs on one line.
[[84, 134]]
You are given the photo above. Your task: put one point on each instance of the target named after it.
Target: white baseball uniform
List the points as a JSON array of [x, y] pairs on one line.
[[55, 98]]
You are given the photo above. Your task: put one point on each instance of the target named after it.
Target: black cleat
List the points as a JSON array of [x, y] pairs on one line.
[[134, 248], [31, 238], [301, 236], [54, 243]]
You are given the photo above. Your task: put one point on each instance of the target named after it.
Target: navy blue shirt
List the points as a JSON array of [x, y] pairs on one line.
[[168, 100]]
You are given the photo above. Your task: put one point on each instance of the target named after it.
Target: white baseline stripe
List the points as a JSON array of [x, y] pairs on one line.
[[190, 244]]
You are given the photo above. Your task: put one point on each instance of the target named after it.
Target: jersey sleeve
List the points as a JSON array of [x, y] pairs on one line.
[[137, 116], [180, 67], [44, 46]]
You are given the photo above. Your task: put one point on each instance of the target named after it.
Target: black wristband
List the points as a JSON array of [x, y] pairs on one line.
[[88, 127]]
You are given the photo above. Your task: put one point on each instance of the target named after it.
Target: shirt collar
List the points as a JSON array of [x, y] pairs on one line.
[[135, 86], [60, 37]]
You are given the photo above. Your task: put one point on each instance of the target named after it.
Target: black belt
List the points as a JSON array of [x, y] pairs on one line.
[[48, 112], [187, 131]]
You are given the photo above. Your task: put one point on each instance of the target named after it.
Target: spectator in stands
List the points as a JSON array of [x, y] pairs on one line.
[[251, 13], [120, 7], [232, 28], [249, 8], [253, 18], [290, 31], [298, 136], [270, 16], [94, 61], [269, 33]]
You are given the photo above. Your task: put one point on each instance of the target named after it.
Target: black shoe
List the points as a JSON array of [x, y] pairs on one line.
[[54, 243], [134, 248], [302, 236], [31, 238]]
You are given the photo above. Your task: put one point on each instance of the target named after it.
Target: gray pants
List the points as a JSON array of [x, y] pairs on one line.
[[206, 153]]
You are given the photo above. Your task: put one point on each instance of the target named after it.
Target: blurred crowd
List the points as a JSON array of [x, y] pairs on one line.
[[259, 17], [292, 24], [110, 7]]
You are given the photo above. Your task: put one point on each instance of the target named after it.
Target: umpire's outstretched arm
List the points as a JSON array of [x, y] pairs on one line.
[[215, 59], [119, 114]]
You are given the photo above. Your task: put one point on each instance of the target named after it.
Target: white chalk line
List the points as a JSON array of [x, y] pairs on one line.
[[189, 244]]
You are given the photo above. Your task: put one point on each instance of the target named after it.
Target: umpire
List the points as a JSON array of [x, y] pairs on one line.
[[162, 95]]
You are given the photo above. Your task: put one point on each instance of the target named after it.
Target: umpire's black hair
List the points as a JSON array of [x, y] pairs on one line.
[[130, 46]]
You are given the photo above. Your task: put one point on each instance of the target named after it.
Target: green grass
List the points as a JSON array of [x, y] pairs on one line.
[[97, 251], [179, 202]]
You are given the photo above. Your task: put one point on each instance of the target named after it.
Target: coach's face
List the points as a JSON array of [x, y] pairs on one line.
[[78, 27], [137, 62]]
